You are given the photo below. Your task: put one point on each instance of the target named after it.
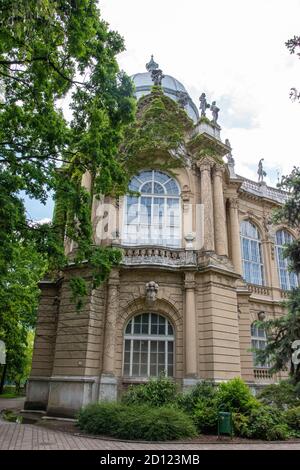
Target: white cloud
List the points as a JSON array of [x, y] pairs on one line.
[[234, 51]]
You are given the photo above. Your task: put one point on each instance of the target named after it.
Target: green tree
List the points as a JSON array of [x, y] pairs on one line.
[[283, 331], [50, 51], [19, 294], [293, 45]]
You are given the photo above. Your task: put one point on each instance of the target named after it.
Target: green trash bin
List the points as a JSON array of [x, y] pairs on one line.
[[225, 423]]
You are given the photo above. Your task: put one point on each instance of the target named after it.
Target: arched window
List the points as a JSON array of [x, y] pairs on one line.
[[288, 280], [148, 346], [251, 253], [154, 217], [258, 341]]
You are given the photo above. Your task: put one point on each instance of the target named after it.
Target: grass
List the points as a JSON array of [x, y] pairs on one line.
[[10, 392]]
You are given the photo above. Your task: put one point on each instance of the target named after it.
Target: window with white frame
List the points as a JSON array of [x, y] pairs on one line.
[[153, 217], [258, 341], [288, 280], [148, 346], [252, 260]]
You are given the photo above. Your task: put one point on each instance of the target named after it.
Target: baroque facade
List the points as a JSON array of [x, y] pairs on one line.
[[202, 262]]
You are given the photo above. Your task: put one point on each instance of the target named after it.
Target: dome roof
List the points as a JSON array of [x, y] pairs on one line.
[[171, 87]]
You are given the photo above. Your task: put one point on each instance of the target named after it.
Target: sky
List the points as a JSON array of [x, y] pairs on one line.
[[235, 52]]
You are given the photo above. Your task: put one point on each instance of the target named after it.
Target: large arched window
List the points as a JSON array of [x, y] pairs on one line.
[[258, 341], [154, 217], [251, 253], [148, 346], [288, 280]]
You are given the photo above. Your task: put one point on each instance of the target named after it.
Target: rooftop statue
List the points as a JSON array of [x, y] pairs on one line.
[[261, 173], [157, 76], [183, 98], [229, 156], [203, 104], [215, 111]]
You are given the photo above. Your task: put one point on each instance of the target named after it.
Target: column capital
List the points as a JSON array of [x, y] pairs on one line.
[[114, 278], [205, 164], [189, 280], [218, 169], [233, 201]]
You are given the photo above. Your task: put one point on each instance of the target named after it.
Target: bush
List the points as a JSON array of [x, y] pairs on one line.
[[266, 423], [292, 418], [202, 391], [241, 424], [205, 416], [156, 392], [136, 422], [235, 396], [283, 395]]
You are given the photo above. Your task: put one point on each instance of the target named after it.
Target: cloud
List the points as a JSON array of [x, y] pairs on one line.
[[235, 52]]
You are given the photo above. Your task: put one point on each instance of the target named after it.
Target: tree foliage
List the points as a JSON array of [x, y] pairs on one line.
[[50, 51], [283, 331], [19, 294], [293, 46]]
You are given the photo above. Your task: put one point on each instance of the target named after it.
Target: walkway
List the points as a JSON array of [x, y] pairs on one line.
[[27, 436]]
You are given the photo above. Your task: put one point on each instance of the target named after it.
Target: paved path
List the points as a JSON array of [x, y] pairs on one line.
[[26, 437]]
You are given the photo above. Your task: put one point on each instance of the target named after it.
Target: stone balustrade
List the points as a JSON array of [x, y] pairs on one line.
[[158, 256], [284, 294], [262, 190], [262, 374], [261, 290]]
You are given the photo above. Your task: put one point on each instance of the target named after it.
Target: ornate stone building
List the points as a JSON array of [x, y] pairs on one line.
[[201, 263]]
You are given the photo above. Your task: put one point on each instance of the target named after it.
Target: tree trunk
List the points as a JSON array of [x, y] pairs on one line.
[[3, 378]]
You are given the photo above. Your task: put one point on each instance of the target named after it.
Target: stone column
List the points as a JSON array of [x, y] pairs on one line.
[[236, 253], [219, 211], [108, 382], [205, 166], [190, 329]]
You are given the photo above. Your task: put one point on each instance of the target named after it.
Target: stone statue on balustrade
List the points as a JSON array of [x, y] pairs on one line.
[[204, 105], [229, 156], [261, 173], [215, 111]]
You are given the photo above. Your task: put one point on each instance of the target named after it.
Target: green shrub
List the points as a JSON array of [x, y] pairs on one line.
[[205, 416], [282, 395], [96, 417], [266, 423], [235, 396], [136, 422], [241, 424], [156, 392], [202, 391], [292, 418]]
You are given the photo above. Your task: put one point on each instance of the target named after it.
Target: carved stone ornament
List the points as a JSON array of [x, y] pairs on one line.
[[152, 65], [205, 164], [151, 293], [261, 316]]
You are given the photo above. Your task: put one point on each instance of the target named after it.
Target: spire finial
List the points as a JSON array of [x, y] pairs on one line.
[[151, 65]]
